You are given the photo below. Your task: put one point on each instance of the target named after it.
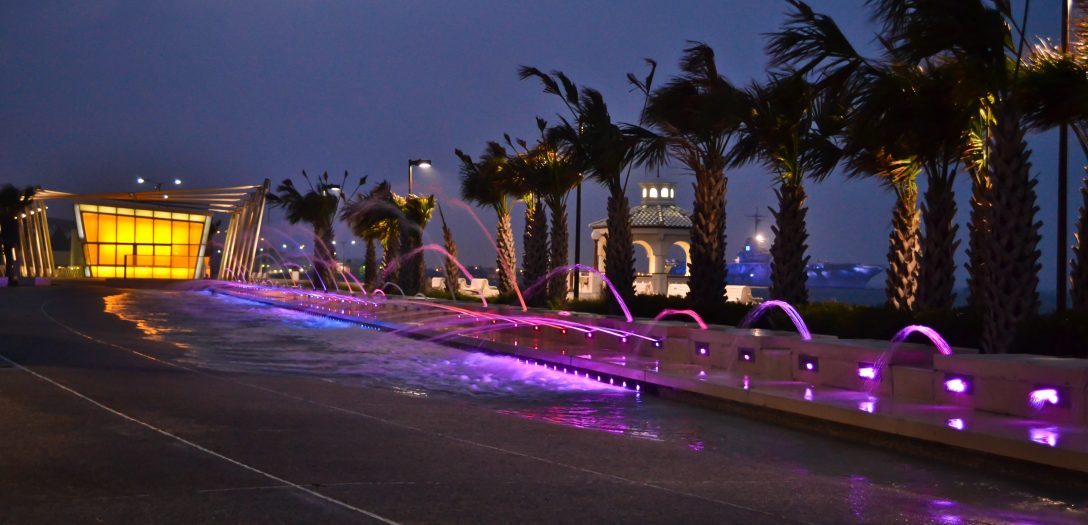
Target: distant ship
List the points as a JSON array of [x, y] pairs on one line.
[[752, 267]]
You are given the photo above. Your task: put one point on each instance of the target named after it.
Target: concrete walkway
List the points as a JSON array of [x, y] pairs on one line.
[[100, 426]]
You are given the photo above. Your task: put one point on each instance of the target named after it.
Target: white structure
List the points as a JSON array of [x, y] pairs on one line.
[[657, 224]]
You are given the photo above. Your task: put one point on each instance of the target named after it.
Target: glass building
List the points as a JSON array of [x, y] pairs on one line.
[[139, 243]]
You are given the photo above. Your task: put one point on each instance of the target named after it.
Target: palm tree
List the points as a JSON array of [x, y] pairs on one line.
[[416, 211], [373, 218], [1054, 89], [920, 110], [13, 203], [977, 37], [317, 208], [526, 176], [811, 43], [483, 183], [559, 175], [602, 150], [790, 129], [453, 283], [692, 119]]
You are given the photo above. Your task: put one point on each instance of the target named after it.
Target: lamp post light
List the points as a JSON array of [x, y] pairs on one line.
[[422, 163], [158, 184]]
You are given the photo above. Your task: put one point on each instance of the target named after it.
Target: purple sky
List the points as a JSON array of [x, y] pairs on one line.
[[94, 94]]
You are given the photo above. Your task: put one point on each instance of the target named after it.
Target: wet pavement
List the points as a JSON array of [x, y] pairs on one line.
[[180, 407]]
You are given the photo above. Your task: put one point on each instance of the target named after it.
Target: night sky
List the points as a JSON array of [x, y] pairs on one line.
[[95, 94]]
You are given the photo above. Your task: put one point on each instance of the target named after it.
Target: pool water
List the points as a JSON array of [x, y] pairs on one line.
[[222, 333]]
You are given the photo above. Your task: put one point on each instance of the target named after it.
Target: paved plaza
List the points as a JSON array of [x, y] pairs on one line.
[[101, 425]]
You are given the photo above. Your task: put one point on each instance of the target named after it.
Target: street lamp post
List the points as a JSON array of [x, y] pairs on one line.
[[158, 184], [1063, 182], [422, 163], [577, 237]]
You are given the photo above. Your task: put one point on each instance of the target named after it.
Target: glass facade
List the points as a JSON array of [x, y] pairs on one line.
[[142, 244]]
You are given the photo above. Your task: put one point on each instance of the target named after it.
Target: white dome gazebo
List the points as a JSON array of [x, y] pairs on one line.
[[657, 224]]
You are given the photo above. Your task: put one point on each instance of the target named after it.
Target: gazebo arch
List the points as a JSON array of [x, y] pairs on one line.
[[656, 224]]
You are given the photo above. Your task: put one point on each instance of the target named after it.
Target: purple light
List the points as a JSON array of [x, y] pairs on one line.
[[866, 371], [808, 366], [1042, 396], [956, 385], [589, 335], [867, 406], [1044, 436], [703, 350], [808, 394], [657, 344], [623, 339], [956, 423]]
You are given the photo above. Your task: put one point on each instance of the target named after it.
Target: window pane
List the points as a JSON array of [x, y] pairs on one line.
[[126, 229], [162, 231], [107, 228], [181, 233], [90, 227], [144, 230], [107, 253]]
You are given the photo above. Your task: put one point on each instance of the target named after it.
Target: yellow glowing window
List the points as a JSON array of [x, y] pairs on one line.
[[107, 228], [144, 231], [126, 230], [162, 231], [181, 232]]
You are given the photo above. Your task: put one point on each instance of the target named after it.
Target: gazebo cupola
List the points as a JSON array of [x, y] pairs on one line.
[[658, 192]]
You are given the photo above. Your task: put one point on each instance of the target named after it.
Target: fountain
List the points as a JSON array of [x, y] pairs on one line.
[[690, 313], [794, 316]]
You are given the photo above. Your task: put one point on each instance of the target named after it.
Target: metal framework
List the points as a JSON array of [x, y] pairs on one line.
[[244, 204], [243, 233], [35, 251]]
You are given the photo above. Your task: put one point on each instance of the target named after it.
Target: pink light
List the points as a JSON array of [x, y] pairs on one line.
[[956, 385], [564, 313], [745, 382], [867, 406], [808, 394], [690, 313], [867, 372], [942, 346], [1042, 396], [808, 366], [791, 312], [956, 423]]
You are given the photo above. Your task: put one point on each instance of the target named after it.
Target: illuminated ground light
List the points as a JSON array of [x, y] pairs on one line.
[[746, 354], [1042, 396], [867, 406], [657, 343], [808, 363], [958, 384], [702, 349], [866, 371], [1044, 436], [956, 423]]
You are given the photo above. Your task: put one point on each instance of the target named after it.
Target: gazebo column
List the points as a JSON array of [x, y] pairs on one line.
[[659, 279]]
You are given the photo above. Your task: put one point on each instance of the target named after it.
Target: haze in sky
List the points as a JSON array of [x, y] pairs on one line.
[[95, 94]]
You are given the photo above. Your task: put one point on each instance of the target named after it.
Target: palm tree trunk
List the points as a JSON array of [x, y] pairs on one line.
[[506, 256], [978, 229], [9, 239], [619, 250], [410, 276], [453, 283], [708, 272], [324, 261], [788, 259], [535, 242], [390, 257], [1079, 268], [370, 265], [937, 275], [901, 283], [557, 288], [1012, 256]]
